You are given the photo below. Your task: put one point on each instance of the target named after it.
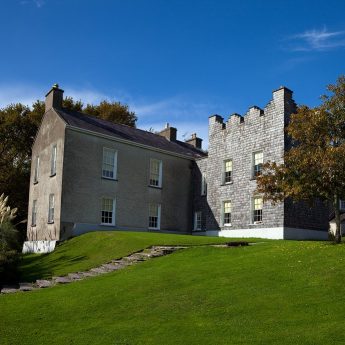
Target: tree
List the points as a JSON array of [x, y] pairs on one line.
[[314, 164], [112, 111], [18, 127]]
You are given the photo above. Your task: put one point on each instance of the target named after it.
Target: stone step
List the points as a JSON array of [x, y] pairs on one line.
[[26, 286], [75, 276], [9, 289], [42, 283], [62, 280]]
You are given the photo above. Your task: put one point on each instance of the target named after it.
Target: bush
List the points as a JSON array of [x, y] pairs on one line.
[[9, 244]]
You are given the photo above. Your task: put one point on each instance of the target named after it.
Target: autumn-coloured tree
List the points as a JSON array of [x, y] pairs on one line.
[[314, 164]]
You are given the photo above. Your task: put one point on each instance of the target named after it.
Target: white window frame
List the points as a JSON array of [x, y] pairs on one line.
[[34, 213], [197, 221], [37, 169], [105, 165], [223, 213], [158, 216], [203, 184], [153, 181], [253, 209], [53, 160], [342, 205], [113, 211], [254, 175], [51, 208], [225, 171]]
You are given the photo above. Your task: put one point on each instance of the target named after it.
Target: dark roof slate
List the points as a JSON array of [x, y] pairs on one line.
[[94, 124]]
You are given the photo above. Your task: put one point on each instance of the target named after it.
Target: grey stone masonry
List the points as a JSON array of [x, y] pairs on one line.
[[237, 139]]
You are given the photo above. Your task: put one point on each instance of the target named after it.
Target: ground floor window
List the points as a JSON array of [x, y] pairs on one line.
[[34, 213], [51, 209], [257, 210], [197, 220], [342, 205], [108, 211], [227, 213], [154, 216]]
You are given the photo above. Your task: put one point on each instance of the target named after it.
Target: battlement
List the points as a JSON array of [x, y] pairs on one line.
[[280, 106]]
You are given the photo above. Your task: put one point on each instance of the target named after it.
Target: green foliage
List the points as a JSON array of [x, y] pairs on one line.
[[9, 245], [18, 128], [278, 292], [314, 166], [112, 111]]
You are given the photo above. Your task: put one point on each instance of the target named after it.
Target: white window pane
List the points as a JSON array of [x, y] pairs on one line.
[[109, 163]]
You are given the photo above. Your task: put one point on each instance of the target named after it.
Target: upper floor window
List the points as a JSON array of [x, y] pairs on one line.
[[53, 161], [227, 171], [257, 209], [154, 216], [227, 213], [155, 172], [203, 184], [109, 163], [51, 209], [342, 205], [34, 213], [37, 169], [258, 160], [108, 211], [197, 220]]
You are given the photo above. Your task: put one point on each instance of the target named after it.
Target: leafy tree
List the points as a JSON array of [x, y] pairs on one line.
[[18, 128], [112, 111], [314, 166]]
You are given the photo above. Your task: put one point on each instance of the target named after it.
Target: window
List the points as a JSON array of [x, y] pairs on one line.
[[34, 213], [108, 211], [155, 173], [342, 205], [203, 184], [197, 220], [154, 216], [227, 213], [257, 163], [109, 163], [37, 168], [51, 208], [257, 210], [227, 172], [53, 161]]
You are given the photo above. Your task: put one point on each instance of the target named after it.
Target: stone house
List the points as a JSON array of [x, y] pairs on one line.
[[89, 174]]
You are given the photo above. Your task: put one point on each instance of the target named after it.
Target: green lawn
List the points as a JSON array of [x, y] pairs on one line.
[[277, 292], [95, 248]]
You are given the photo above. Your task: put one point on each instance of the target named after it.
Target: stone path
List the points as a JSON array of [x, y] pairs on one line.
[[113, 265]]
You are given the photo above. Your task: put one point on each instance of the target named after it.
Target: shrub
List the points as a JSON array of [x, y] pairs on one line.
[[9, 245]]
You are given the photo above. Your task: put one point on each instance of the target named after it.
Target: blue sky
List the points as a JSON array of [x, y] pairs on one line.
[[171, 61]]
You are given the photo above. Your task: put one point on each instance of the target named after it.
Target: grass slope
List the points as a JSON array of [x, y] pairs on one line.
[[277, 292], [95, 248]]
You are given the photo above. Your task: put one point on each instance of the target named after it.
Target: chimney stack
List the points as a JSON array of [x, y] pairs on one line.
[[195, 141], [54, 98], [169, 133]]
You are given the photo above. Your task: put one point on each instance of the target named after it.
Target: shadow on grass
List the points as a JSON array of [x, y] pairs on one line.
[[41, 266]]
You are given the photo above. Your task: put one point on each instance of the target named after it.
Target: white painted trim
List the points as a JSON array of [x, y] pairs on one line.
[[158, 217], [276, 233], [195, 227], [115, 163], [132, 143], [38, 246], [114, 208]]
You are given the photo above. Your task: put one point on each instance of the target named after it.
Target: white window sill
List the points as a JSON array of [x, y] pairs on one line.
[[227, 183], [154, 228], [109, 178], [107, 224], [157, 187], [227, 225], [256, 223]]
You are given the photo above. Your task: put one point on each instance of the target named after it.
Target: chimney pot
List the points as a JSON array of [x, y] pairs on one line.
[[54, 98]]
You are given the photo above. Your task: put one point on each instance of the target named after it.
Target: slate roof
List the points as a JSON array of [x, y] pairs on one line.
[[94, 124]]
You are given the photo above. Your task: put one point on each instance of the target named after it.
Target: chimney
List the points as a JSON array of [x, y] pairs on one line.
[[54, 98], [195, 141], [169, 133]]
